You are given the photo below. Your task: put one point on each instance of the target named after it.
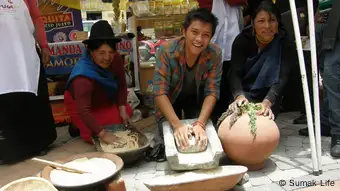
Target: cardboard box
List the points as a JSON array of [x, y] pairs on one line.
[[147, 72]]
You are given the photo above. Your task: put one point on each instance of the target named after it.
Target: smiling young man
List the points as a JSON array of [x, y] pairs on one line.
[[187, 77]]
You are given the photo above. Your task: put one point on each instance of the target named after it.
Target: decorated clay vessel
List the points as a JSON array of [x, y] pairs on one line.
[[248, 142]]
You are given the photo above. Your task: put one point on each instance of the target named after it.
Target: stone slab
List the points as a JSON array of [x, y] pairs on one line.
[[193, 161], [266, 187]]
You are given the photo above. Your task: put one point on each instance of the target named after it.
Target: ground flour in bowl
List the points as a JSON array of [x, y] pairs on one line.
[[130, 142], [99, 168]]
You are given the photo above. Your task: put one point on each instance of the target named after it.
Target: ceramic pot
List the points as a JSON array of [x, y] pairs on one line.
[[216, 179], [242, 147], [29, 183]]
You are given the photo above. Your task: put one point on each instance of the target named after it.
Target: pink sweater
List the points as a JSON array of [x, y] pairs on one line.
[[38, 22]]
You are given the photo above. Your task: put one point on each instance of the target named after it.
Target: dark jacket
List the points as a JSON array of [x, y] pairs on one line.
[[245, 47], [282, 5], [331, 31]]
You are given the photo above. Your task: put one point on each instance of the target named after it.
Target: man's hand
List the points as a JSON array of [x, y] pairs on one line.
[[46, 56], [200, 136], [181, 134], [266, 109]]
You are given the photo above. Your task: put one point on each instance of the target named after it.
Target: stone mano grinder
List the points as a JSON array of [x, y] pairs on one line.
[[193, 147]]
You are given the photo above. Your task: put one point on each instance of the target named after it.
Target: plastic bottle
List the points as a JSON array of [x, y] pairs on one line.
[[148, 96]]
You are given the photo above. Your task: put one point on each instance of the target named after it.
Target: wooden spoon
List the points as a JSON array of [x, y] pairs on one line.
[[59, 166]]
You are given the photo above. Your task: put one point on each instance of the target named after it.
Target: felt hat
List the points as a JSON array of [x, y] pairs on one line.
[[102, 30]]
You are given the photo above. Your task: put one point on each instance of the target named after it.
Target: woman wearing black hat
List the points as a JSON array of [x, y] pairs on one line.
[[96, 92]]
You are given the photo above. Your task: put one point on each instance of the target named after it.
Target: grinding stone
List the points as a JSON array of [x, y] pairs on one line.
[[193, 147], [207, 159]]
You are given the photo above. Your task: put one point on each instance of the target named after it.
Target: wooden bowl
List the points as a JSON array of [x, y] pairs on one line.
[[218, 179], [114, 158], [28, 184]]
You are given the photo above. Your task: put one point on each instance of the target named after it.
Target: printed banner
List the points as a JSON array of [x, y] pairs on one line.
[[62, 19], [124, 47], [64, 55]]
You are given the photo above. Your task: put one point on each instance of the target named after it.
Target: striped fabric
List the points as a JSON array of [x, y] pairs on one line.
[[170, 67]]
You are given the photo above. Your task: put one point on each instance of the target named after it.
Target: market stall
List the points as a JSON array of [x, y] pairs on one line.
[[154, 22], [64, 30]]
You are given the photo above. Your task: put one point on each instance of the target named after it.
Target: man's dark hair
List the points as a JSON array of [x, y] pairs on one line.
[[267, 6], [203, 15]]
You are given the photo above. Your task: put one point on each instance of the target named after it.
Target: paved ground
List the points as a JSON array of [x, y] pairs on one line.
[[290, 164]]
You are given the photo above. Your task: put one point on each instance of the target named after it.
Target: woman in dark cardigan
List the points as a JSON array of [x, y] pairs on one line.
[[262, 59]]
